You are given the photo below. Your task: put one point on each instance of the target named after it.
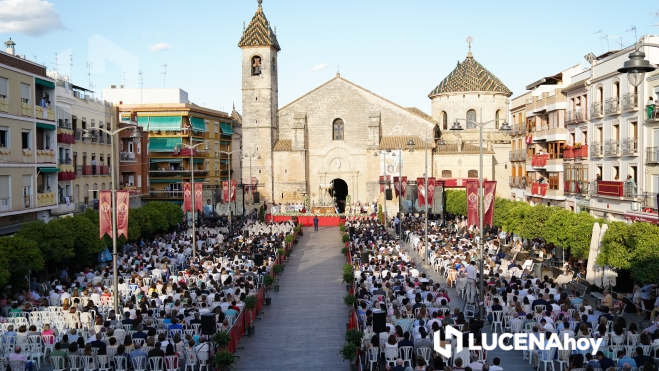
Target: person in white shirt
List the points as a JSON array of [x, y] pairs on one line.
[[495, 364]]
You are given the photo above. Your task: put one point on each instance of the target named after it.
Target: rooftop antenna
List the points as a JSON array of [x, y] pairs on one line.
[[164, 73], [55, 64], [615, 37], [633, 28], [70, 68], [606, 36], [89, 74], [141, 85], [123, 79], [35, 58], [601, 42]]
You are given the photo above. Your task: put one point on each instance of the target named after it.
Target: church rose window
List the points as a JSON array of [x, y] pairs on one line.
[[337, 129]]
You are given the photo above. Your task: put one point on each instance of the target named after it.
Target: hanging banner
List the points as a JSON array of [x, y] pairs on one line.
[[420, 184], [255, 183], [105, 213], [123, 198], [489, 190], [198, 197], [234, 184], [187, 197], [431, 191], [381, 183], [225, 191], [403, 186], [472, 202], [397, 186]]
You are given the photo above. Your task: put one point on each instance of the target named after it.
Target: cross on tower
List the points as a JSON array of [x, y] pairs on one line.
[[469, 41]]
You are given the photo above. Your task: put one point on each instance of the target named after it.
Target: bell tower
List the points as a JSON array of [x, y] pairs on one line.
[[260, 102]]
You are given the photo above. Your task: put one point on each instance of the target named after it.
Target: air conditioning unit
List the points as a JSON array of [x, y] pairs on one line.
[[76, 94]]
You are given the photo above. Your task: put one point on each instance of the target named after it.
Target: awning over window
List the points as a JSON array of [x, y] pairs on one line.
[[166, 123], [226, 128], [44, 83], [166, 180], [48, 170], [167, 160], [198, 124], [46, 126], [224, 161], [199, 160], [163, 144]]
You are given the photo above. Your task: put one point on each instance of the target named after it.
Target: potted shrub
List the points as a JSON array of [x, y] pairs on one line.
[[281, 252], [354, 336], [288, 239], [342, 227], [277, 285], [221, 339], [268, 280], [250, 304], [345, 238], [347, 268], [223, 360], [349, 279], [350, 300], [278, 268], [345, 251], [349, 353]]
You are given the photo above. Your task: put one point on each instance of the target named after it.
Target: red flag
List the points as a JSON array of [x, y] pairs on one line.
[[396, 186], [431, 191], [105, 213], [225, 191], [490, 188], [381, 183], [187, 197], [421, 190], [123, 198], [198, 199], [234, 184], [403, 185], [472, 202]]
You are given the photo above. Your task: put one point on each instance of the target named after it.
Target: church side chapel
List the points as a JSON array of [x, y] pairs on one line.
[[341, 145]]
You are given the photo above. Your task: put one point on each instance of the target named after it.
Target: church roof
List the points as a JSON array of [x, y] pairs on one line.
[[418, 112], [467, 149], [470, 76], [259, 33], [283, 145], [396, 142]]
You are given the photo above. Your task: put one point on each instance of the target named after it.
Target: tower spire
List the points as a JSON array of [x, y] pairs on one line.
[[260, 2], [469, 41]]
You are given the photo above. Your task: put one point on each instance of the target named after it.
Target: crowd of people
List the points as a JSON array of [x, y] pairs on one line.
[[165, 285]]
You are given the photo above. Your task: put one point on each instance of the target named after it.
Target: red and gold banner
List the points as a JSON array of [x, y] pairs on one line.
[[187, 197], [123, 198], [234, 185], [472, 202], [421, 190], [396, 186], [431, 191], [198, 197], [225, 191], [403, 186], [381, 183], [105, 213], [489, 191]]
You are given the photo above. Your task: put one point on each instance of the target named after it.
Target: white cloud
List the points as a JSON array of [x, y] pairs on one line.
[[31, 17], [318, 67], [160, 47]]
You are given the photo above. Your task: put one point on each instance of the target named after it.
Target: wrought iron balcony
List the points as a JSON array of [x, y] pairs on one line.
[[596, 109], [652, 155], [596, 149], [612, 106], [629, 102], [612, 148], [629, 146]]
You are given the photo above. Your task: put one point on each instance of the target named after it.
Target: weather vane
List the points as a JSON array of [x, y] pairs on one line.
[[469, 41]]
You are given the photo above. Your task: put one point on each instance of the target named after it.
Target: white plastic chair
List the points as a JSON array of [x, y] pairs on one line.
[[406, 354], [391, 355], [547, 358], [425, 353], [156, 364], [75, 362], [139, 363], [372, 357], [58, 363], [89, 363], [191, 361], [172, 363], [103, 362], [497, 321]]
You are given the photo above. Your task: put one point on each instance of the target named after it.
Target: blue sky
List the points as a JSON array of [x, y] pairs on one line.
[[398, 49]]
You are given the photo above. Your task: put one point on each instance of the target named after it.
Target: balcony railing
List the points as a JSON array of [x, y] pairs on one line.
[[612, 106], [176, 173], [79, 169], [63, 198], [582, 187], [596, 109], [539, 160], [612, 188], [511, 181], [629, 146], [596, 149], [652, 155], [522, 155], [511, 156], [575, 117], [568, 154], [163, 194], [5, 204], [64, 124], [539, 189], [629, 102], [650, 201], [78, 134], [127, 157], [581, 152], [46, 199], [612, 148], [629, 190]]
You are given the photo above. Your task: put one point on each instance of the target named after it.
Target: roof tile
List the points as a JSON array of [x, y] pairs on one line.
[[470, 76]]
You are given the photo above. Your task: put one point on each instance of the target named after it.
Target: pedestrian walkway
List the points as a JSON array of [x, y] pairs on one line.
[[304, 327]]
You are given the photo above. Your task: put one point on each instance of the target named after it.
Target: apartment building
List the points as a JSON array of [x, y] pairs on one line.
[[174, 125], [518, 150], [546, 136], [28, 159], [133, 164], [575, 155]]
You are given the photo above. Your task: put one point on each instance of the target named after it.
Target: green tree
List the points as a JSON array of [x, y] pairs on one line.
[[54, 241], [84, 237], [534, 220], [456, 202], [643, 239], [502, 209], [615, 250], [18, 255]]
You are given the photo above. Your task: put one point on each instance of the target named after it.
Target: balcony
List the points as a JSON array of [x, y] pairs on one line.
[[27, 156], [612, 106], [5, 204], [581, 151], [67, 136], [26, 109], [511, 181], [127, 157], [78, 134], [596, 149], [511, 156], [522, 155], [582, 187], [132, 190], [154, 195], [629, 146], [45, 113], [612, 189], [575, 117], [629, 102], [176, 173], [46, 199], [612, 148], [568, 154], [650, 202], [652, 155], [100, 170], [66, 173], [539, 189], [46, 156], [596, 109], [539, 160]]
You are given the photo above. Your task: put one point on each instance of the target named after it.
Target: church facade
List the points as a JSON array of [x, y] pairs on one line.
[[337, 141]]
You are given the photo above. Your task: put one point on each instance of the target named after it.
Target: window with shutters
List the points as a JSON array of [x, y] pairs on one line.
[[4, 87], [25, 93]]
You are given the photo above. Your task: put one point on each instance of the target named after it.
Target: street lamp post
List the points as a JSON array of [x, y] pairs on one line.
[[136, 135], [505, 127], [192, 148], [384, 171], [250, 156], [229, 171], [637, 65]]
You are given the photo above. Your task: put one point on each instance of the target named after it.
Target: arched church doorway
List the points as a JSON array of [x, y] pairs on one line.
[[338, 192]]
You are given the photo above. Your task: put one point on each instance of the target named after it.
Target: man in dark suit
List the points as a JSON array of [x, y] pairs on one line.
[[98, 343], [640, 359], [406, 342], [127, 320], [538, 301], [315, 223], [140, 334], [156, 351]]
